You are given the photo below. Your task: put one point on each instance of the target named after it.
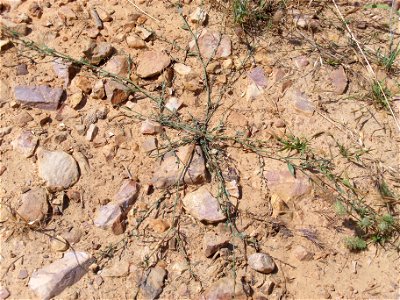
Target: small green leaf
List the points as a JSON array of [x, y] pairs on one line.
[[292, 169]]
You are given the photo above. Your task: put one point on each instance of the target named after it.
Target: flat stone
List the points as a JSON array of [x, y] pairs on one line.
[[64, 70], [182, 69], [302, 253], [151, 63], [212, 44], [261, 262], [150, 127], [257, 76], [57, 168], [143, 33], [91, 132], [83, 83], [52, 279], [21, 70], [159, 225], [198, 16], [339, 80], [203, 206], [75, 100], [35, 207], [116, 92], [149, 144], [97, 53], [253, 91], [287, 187], [168, 173], [22, 274], [301, 103], [108, 216], [213, 242], [25, 144], [118, 65], [43, 97], [173, 104], [153, 284], [59, 244], [118, 269], [23, 118], [127, 194], [4, 293], [224, 289]]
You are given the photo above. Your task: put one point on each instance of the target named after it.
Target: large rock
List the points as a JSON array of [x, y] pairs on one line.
[[52, 279], [287, 187], [34, 208], [118, 65], [171, 168], [212, 44], [224, 289], [203, 206], [25, 144], [43, 96], [153, 284], [151, 63], [57, 168], [261, 262]]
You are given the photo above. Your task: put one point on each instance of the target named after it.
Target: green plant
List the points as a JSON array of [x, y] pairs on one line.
[[294, 143], [388, 61], [380, 94], [355, 243]]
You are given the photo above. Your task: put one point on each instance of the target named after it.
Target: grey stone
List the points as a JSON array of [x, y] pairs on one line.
[[261, 262], [43, 97], [153, 283], [213, 242]]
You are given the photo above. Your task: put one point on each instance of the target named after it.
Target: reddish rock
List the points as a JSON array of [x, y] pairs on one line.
[[339, 80], [43, 97], [151, 63], [212, 42], [116, 92], [203, 206], [97, 53], [26, 143], [224, 289], [118, 65], [34, 208], [127, 193], [213, 242]]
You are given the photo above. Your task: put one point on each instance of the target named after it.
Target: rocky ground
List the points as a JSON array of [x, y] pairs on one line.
[[159, 149]]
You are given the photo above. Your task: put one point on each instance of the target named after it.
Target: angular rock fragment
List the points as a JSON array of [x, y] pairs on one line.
[[182, 69], [91, 132], [150, 127], [339, 80], [261, 262], [287, 187], [212, 44], [64, 70], [135, 42], [257, 76], [97, 53], [25, 144], [43, 97], [118, 65], [224, 288], [98, 91], [203, 206], [116, 92], [302, 253], [151, 63], [127, 193], [52, 279], [4, 293], [108, 215], [301, 103], [149, 144], [173, 104], [199, 16], [34, 208], [153, 284], [213, 242], [57, 168], [169, 172]]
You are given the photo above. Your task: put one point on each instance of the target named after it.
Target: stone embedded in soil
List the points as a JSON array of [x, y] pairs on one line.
[[97, 53], [59, 244], [182, 69], [127, 193], [118, 65], [5, 130], [21, 70], [91, 132], [301, 62], [118, 269], [199, 16], [151, 63], [43, 96], [149, 144], [168, 173], [159, 225], [153, 284], [26, 143], [4, 293], [302, 253], [212, 44], [143, 33], [83, 83], [116, 92], [301, 103], [261, 262], [135, 42], [52, 279], [22, 274], [108, 216], [339, 80], [150, 127], [64, 70], [23, 118], [75, 100], [173, 104], [202, 205], [34, 208], [287, 187], [57, 168], [213, 242], [257, 76], [224, 289], [98, 91], [253, 91]]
